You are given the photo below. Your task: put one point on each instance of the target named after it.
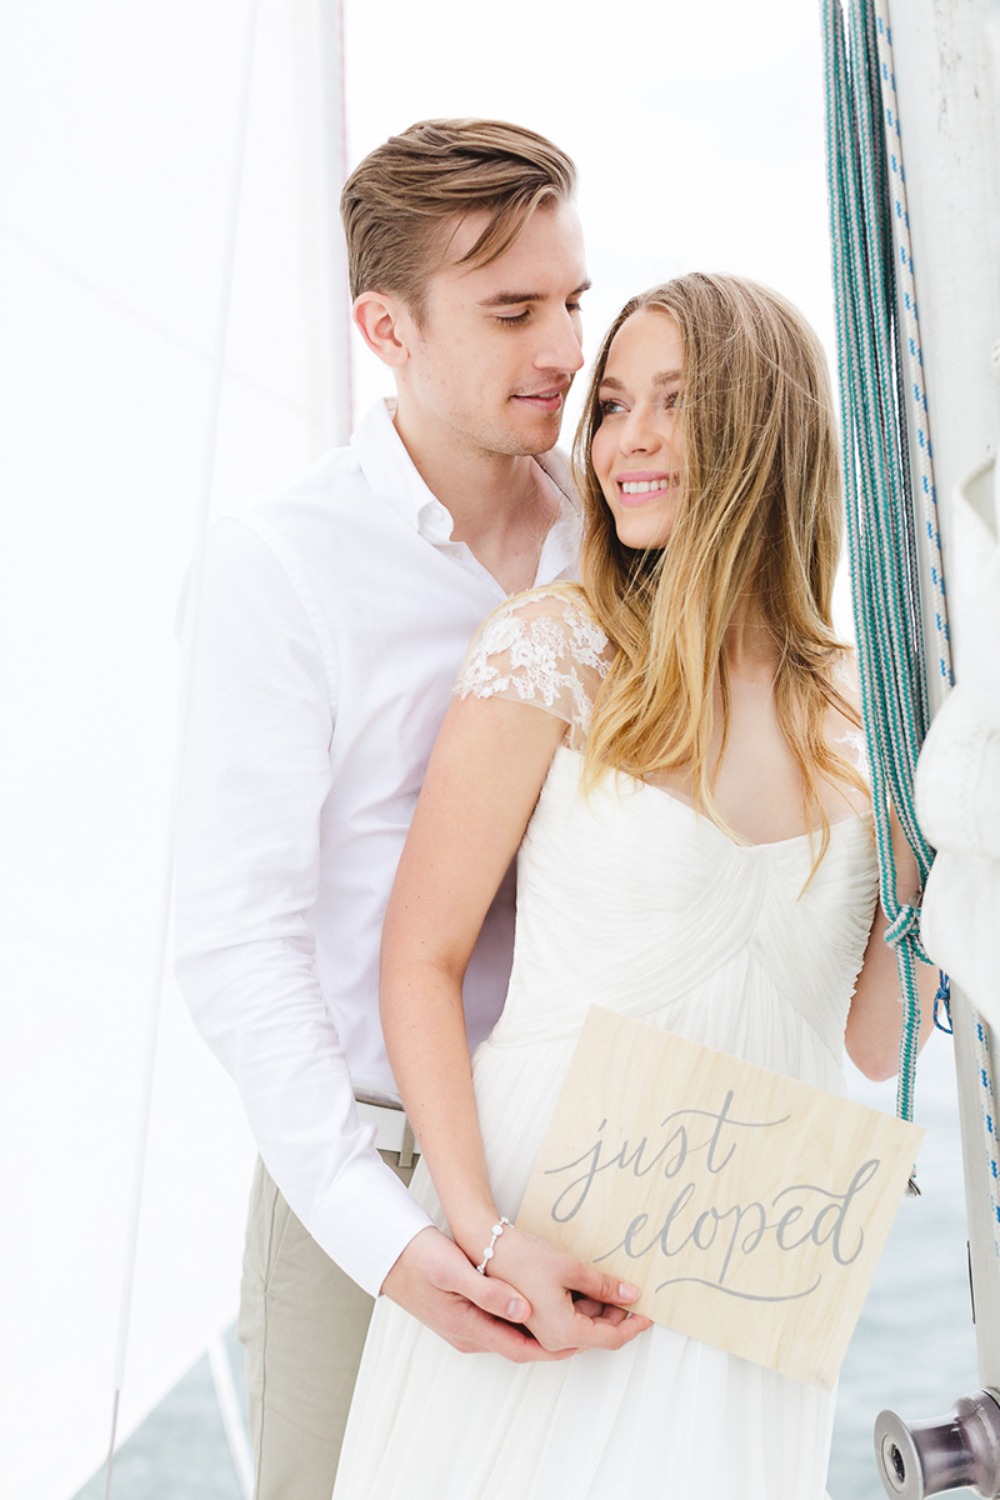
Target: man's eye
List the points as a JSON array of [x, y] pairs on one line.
[[512, 321]]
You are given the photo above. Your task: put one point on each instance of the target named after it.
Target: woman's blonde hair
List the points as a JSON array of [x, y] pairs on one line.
[[760, 520]]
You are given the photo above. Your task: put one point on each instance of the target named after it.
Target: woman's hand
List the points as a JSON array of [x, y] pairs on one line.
[[573, 1305], [436, 1283]]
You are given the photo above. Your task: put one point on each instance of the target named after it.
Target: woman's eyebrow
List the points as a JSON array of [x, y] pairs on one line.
[[664, 377]]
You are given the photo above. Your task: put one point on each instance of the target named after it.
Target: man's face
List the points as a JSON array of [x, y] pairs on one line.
[[497, 347]]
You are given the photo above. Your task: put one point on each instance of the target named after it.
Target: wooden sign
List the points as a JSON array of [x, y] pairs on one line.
[[750, 1208]]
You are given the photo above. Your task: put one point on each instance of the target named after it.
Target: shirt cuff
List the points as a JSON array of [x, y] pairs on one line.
[[366, 1220]]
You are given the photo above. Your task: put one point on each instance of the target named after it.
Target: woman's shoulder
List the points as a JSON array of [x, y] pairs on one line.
[[559, 609], [846, 676], [542, 647], [845, 725], [544, 625]]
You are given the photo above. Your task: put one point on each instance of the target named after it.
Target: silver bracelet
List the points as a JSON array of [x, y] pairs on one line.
[[489, 1252]]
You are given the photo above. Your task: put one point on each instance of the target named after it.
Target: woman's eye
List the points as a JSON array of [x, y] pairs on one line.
[[608, 405]]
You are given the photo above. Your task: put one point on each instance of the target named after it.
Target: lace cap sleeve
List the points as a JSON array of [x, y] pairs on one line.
[[543, 649], [851, 742]]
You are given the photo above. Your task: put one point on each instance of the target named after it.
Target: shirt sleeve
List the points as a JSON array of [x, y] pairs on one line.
[[256, 775], [542, 648]]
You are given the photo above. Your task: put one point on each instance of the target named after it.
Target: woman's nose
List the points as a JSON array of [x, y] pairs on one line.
[[637, 434]]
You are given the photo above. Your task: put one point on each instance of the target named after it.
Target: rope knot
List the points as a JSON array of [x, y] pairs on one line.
[[906, 923], [905, 929]]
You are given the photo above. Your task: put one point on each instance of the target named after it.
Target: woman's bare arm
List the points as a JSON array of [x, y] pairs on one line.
[[874, 1024], [482, 784]]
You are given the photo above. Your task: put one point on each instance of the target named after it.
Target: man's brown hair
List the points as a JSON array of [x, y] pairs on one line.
[[397, 203]]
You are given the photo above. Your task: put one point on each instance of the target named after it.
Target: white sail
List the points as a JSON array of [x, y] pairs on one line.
[[119, 125]]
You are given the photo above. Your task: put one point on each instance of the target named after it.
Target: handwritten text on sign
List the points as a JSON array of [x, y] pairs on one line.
[[750, 1208]]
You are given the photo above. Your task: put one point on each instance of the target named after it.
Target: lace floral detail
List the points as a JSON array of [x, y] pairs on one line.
[[845, 674], [857, 750], [542, 649]]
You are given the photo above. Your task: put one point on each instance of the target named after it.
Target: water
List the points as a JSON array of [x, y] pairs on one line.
[[914, 1349], [180, 1452]]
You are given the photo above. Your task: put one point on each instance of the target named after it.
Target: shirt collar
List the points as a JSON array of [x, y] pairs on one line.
[[393, 477], [391, 473]]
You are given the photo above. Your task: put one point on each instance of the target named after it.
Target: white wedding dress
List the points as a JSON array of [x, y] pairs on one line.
[[628, 899]]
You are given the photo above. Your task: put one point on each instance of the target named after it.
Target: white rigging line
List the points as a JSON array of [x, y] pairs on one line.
[[161, 331], [166, 882], [334, 94]]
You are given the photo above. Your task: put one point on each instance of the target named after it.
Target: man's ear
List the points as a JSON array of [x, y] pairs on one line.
[[385, 325]]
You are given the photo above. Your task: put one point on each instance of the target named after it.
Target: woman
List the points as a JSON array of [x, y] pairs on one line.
[[675, 751]]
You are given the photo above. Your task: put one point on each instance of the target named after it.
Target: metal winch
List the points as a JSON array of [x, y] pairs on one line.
[[917, 1459]]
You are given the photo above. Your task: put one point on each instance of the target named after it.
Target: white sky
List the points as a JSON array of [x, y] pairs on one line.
[[697, 128]]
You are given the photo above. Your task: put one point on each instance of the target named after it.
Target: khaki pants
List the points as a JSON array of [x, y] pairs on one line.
[[302, 1324]]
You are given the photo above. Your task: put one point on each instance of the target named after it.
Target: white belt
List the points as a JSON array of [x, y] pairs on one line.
[[392, 1129]]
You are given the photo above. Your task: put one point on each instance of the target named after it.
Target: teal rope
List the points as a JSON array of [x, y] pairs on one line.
[[880, 517]]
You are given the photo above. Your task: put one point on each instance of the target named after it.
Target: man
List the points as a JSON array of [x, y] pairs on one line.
[[332, 625]]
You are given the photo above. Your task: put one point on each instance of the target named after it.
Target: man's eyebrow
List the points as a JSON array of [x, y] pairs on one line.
[[518, 299]]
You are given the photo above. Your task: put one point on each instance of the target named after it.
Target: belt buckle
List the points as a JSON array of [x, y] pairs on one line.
[[393, 1131]]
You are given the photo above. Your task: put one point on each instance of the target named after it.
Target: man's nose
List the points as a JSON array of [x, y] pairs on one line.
[[563, 348]]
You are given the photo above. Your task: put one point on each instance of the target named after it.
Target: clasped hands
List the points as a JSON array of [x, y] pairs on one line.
[[536, 1303]]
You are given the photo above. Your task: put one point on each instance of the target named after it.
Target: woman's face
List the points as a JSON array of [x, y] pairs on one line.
[[638, 450]]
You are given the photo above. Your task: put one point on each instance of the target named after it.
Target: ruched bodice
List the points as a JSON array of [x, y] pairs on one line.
[[725, 943]]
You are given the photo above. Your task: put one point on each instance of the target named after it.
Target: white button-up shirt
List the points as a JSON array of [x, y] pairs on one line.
[[332, 625]]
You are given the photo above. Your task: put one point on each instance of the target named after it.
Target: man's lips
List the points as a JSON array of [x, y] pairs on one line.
[[548, 400]]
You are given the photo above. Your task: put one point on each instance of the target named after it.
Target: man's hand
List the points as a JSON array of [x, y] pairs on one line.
[[434, 1281]]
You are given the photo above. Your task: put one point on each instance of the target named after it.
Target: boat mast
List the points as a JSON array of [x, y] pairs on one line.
[[951, 148], [946, 80]]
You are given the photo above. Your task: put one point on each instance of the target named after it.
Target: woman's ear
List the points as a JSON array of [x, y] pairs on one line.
[[385, 326]]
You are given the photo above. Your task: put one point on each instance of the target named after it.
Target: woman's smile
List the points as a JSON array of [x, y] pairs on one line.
[[638, 449]]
